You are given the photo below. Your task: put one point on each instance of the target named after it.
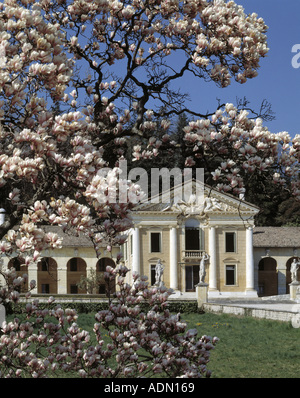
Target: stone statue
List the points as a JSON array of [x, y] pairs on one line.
[[202, 272], [212, 204], [159, 268], [294, 269]]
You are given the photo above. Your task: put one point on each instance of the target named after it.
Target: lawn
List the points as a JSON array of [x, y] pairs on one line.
[[248, 347]]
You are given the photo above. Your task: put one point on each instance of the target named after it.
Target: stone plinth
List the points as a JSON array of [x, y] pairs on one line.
[[298, 294], [201, 293], [293, 289]]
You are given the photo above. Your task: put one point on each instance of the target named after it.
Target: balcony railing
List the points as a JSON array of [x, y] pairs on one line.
[[192, 254]]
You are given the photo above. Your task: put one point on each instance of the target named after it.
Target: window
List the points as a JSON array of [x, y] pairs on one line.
[[152, 274], [192, 239], [102, 289], [155, 242], [230, 242], [45, 288], [74, 289], [230, 275], [125, 249]]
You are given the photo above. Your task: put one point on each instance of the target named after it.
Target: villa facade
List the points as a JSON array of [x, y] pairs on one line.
[[243, 260], [179, 233]]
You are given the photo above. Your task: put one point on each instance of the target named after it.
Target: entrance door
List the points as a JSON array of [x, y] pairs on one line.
[[191, 277]]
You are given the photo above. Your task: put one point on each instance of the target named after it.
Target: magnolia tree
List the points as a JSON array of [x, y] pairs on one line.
[[141, 343], [80, 78]]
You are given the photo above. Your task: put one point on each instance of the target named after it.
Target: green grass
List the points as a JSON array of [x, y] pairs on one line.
[[248, 347]]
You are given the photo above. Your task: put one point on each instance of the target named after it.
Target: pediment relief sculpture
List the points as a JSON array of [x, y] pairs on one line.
[[210, 205], [212, 202]]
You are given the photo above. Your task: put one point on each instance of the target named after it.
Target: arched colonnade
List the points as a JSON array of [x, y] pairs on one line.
[[52, 279], [269, 276]]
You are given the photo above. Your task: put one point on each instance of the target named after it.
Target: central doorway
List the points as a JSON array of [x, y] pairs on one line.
[[191, 277]]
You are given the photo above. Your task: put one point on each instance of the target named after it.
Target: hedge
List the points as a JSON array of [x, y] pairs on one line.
[[93, 307]]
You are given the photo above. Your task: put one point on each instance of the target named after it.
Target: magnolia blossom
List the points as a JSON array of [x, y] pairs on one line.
[[256, 149], [171, 349], [82, 84]]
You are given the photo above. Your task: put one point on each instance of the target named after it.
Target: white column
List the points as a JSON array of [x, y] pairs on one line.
[[91, 266], [3, 267], [2, 216], [2, 314], [173, 259], [136, 250], [33, 276], [249, 261], [62, 277], [212, 259]]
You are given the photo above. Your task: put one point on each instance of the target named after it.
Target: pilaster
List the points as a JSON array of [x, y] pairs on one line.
[[249, 262]]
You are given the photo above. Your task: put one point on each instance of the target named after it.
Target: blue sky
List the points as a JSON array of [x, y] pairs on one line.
[[277, 81]]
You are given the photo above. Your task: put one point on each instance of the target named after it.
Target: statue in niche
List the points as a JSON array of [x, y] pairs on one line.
[[159, 270], [202, 271], [294, 270]]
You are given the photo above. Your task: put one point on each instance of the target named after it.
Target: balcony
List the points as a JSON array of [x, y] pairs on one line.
[[192, 254]]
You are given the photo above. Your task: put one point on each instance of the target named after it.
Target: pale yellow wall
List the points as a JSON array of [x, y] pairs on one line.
[[148, 257], [237, 258]]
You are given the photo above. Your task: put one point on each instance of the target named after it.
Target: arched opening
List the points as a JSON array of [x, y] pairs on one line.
[[76, 267], [47, 276], [288, 273], [103, 286], [267, 277], [21, 269]]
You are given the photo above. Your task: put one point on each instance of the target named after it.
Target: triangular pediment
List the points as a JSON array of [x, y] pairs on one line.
[[200, 199]]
